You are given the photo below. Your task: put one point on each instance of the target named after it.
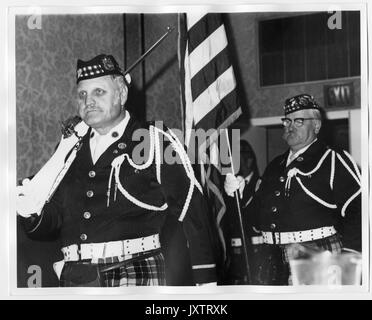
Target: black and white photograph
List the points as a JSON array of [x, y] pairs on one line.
[[201, 148]]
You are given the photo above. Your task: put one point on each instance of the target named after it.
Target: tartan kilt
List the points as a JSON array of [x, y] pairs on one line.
[[138, 271], [273, 260]]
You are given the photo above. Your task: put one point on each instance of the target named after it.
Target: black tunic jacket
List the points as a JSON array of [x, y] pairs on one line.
[[78, 210], [274, 210]]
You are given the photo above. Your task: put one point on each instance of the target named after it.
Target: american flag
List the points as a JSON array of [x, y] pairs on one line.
[[209, 96]]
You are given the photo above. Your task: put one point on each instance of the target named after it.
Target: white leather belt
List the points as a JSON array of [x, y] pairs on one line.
[[104, 250], [297, 236], [236, 242], [257, 240]]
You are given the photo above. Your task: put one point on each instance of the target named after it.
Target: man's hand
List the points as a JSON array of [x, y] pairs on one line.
[[233, 183]]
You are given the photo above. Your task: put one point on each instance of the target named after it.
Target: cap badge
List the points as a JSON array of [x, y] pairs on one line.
[[108, 64]]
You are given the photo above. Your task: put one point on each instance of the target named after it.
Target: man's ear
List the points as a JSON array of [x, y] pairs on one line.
[[318, 125], [123, 94]]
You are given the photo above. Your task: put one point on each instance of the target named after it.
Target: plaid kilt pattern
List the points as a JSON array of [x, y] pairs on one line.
[[149, 271], [146, 272], [273, 260]]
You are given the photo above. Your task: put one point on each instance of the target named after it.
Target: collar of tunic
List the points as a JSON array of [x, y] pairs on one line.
[[100, 143], [293, 155]]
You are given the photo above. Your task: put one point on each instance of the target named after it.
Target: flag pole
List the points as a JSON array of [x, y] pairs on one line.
[[239, 212]]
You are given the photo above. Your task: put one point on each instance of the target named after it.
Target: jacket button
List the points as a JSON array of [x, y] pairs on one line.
[[83, 237], [90, 193], [87, 215], [122, 145], [277, 193], [272, 226], [282, 179], [92, 174], [274, 209]]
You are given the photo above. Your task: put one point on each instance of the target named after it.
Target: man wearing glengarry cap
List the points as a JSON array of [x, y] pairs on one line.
[[109, 208], [310, 195]]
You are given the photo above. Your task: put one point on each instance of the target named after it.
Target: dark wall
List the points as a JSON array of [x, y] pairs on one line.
[[156, 81], [268, 101]]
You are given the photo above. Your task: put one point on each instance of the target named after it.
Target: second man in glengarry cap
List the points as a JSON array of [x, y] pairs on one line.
[[309, 195]]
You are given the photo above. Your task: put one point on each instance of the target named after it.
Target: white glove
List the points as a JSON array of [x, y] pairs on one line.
[[32, 195], [233, 183], [26, 202]]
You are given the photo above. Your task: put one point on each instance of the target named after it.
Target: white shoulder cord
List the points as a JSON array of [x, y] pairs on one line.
[[354, 164], [154, 152], [177, 146], [356, 177], [333, 166], [346, 204], [185, 159], [157, 155], [115, 170], [307, 191], [293, 173]]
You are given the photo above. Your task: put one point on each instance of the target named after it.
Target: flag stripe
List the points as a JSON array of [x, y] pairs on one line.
[[206, 76], [222, 115], [193, 18], [216, 116], [203, 29], [207, 50], [211, 97]]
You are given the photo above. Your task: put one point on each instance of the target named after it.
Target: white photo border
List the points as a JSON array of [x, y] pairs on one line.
[[220, 292]]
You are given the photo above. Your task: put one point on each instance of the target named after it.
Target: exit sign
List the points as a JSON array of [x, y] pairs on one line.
[[339, 95]]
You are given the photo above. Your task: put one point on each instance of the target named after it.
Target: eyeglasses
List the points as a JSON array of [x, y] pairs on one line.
[[298, 122]]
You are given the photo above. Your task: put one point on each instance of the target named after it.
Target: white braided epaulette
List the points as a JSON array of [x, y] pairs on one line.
[[295, 172], [154, 153]]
